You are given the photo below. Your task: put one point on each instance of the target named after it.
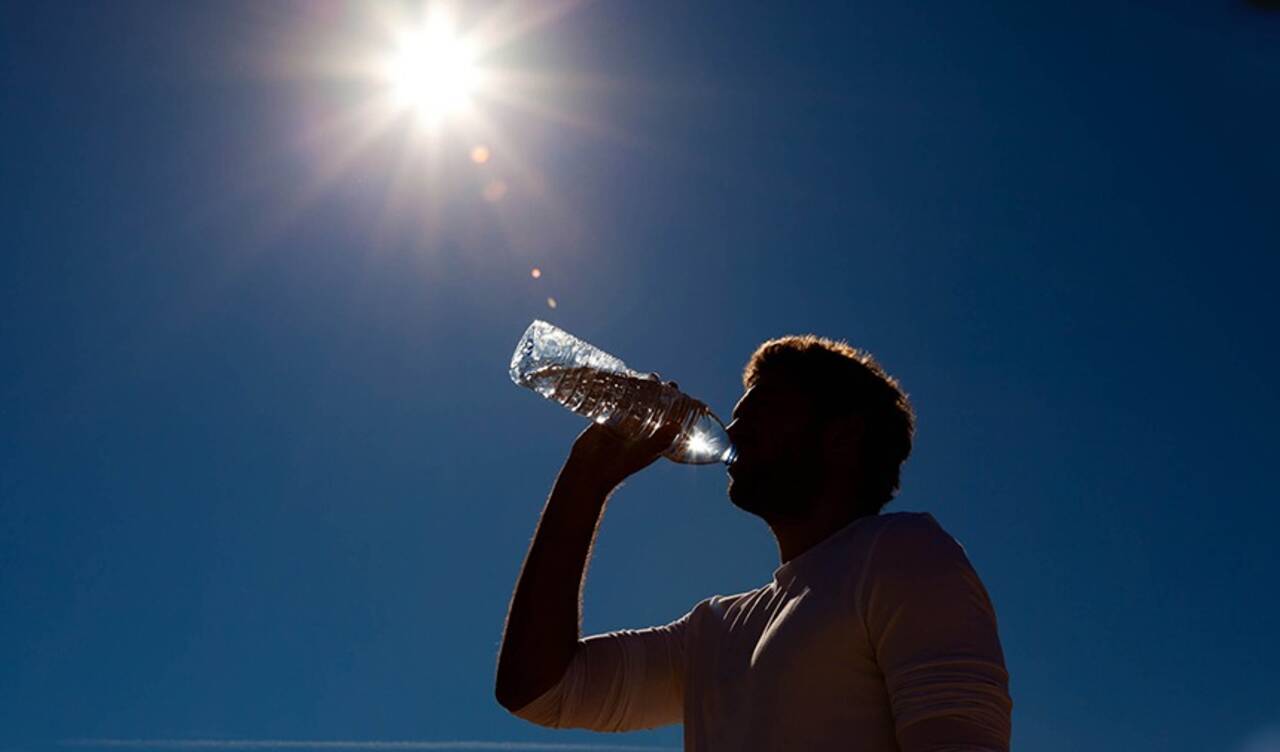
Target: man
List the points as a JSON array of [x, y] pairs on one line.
[[875, 633]]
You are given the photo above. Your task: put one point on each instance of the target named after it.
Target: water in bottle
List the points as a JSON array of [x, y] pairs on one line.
[[595, 384]]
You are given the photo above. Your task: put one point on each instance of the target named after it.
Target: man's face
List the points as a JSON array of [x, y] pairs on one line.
[[779, 466]]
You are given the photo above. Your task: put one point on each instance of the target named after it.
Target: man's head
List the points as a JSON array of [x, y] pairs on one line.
[[817, 414]]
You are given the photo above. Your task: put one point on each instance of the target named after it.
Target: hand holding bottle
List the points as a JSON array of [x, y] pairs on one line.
[[603, 457]]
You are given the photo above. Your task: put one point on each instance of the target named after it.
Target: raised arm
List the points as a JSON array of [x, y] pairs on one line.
[[545, 615]]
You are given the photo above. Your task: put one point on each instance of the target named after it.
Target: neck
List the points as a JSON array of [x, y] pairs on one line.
[[828, 514]]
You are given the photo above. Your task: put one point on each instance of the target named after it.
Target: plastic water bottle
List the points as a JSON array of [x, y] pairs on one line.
[[596, 385]]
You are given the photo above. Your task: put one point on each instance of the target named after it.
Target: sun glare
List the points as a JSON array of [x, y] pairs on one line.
[[420, 90], [698, 444], [433, 71]]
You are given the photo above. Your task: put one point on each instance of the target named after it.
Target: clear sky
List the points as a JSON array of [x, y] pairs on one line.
[[263, 474]]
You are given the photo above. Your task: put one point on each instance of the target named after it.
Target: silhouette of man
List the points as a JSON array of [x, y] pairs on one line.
[[875, 633]]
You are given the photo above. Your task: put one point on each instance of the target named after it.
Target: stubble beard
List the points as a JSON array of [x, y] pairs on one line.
[[783, 493]]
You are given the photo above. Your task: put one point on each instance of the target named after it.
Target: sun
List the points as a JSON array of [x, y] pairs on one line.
[[433, 71]]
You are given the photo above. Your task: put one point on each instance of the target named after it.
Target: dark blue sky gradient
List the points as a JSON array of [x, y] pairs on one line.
[[262, 471]]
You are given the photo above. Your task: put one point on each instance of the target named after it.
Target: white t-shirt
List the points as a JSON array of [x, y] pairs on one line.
[[880, 626]]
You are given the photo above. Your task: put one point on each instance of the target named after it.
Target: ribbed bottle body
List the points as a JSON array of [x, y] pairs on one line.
[[599, 386]]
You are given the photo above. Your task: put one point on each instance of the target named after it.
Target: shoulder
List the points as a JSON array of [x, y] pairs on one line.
[[719, 608], [918, 566], [914, 542], [721, 604], [908, 521], [910, 528]]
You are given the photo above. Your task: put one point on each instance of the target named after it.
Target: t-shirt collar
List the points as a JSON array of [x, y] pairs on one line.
[[809, 563]]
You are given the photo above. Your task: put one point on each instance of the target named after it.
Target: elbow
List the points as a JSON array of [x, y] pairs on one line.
[[527, 690], [510, 687], [504, 699], [509, 696], [540, 707], [515, 705], [543, 710]]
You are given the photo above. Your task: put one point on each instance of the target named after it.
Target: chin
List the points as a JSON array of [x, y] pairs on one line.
[[770, 497], [743, 498]]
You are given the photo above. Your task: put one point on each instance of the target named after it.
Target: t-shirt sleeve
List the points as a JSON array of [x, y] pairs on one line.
[[619, 681], [933, 629]]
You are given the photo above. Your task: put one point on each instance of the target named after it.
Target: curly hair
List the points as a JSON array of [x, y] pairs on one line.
[[843, 380]]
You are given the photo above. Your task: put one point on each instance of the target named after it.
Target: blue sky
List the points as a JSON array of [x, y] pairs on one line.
[[262, 471]]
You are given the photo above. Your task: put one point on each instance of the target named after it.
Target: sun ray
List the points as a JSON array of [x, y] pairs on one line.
[[534, 106], [414, 188], [504, 25], [512, 160], [340, 142], [541, 222]]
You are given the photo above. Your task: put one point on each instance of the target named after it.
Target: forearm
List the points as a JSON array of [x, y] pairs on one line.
[[951, 734], [545, 615]]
